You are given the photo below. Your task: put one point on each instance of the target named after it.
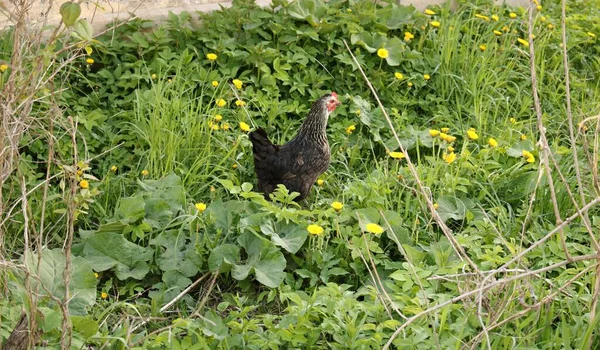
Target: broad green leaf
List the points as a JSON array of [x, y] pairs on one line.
[[371, 42], [85, 326], [70, 11], [269, 269], [222, 257], [109, 250], [82, 283], [83, 29], [290, 236], [130, 209], [394, 16]]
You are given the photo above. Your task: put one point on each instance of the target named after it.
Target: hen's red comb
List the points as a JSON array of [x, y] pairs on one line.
[[334, 94]]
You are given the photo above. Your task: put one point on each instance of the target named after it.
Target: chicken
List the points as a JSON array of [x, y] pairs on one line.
[[298, 163]]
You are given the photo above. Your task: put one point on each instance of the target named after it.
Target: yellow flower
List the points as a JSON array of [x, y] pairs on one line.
[[337, 206], [550, 26], [435, 24], [113, 168], [449, 158], [234, 166], [497, 32], [523, 137], [482, 47], [450, 149], [348, 10], [447, 138], [169, 80], [410, 84], [374, 228], [218, 118], [383, 53], [320, 182], [426, 76], [485, 18], [529, 158], [523, 42], [214, 127], [145, 172], [215, 83], [398, 75], [434, 132], [96, 274], [408, 36], [495, 18], [225, 126], [472, 134], [436, 206], [240, 103], [103, 295], [79, 172], [3, 68], [492, 142], [429, 12], [512, 120], [357, 112], [211, 56], [506, 29], [200, 206], [315, 229], [84, 184], [445, 130], [221, 102], [89, 61], [238, 83], [244, 127], [350, 129], [397, 155], [512, 15], [153, 76], [539, 7], [591, 34], [543, 18]]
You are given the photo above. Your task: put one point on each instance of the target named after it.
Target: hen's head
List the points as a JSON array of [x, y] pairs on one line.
[[331, 101]]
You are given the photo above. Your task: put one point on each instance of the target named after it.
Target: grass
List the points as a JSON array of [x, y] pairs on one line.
[[485, 249]]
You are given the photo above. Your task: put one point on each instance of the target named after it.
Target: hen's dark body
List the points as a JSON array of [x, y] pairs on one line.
[[298, 163]]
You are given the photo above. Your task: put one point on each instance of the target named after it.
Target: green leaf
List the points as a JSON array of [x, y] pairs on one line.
[[130, 210], [82, 283], [85, 326], [70, 11], [223, 257], [290, 236], [394, 17], [83, 29], [109, 250], [371, 42], [269, 270]]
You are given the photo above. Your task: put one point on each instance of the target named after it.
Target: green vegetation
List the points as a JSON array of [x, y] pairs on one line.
[[125, 160]]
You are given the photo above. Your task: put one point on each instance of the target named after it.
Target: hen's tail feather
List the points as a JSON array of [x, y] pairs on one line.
[[261, 146]]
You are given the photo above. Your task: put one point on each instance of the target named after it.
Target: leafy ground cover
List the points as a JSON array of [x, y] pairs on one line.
[[462, 214]]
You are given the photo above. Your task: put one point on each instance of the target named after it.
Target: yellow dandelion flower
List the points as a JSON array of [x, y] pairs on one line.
[[383, 53], [482, 47], [492, 142], [145, 172], [446, 130], [348, 10], [103, 295], [434, 132], [408, 36], [512, 120], [429, 12], [410, 84], [397, 155], [550, 26], [512, 15], [315, 229], [543, 18], [337, 206], [357, 112], [215, 127], [221, 102], [89, 61], [238, 83], [398, 75], [523, 137], [218, 118], [529, 158], [234, 166], [495, 18], [79, 172], [435, 24], [449, 158], [96, 274], [590, 34], [350, 129], [436, 206], [240, 103], [447, 138], [539, 7], [320, 182], [485, 18], [450, 149], [169, 81], [153, 76], [3, 68], [215, 83], [84, 184], [472, 134], [426, 76], [200, 207], [113, 168], [497, 32], [374, 228], [211, 56], [523, 42], [244, 127], [225, 126]]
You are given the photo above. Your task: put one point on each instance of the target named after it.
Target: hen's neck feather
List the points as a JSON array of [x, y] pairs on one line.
[[315, 125]]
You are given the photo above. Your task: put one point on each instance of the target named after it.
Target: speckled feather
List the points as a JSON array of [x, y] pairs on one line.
[[298, 163]]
